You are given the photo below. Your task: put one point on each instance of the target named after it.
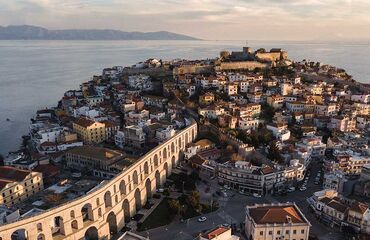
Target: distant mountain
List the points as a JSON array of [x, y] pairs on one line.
[[26, 32]]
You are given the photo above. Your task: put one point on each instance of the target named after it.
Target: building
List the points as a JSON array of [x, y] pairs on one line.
[[313, 146], [17, 185], [232, 89], [334, 180], [275, 101], [357, 214], [218, 233], [207, 98], [111, 129], [250, 179], [97, 159], [343, 123], [276, 221], [334, 212], [193, 148], [136, 117], [280, 131], [90, 131], [140, 82], [134, 136]]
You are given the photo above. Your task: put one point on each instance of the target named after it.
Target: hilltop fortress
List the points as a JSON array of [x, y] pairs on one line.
[[247, 59]]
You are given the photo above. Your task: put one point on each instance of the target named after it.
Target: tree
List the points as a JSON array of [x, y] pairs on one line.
[[166, 193], [194, 199], [215, 205], [174, 206], [274, 152], [1, 160], [267, 113]]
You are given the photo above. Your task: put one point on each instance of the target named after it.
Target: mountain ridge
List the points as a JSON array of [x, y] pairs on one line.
[[30, 32]]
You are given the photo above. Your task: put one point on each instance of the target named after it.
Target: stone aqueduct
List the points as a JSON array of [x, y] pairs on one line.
[[106, 209]]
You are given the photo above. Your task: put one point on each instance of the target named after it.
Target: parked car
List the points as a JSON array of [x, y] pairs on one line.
[[227, 187], [160, 190], [257, 195], [202, 219], [291, 189]]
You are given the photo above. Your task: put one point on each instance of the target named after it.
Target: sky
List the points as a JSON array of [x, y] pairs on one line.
[[300, 20]]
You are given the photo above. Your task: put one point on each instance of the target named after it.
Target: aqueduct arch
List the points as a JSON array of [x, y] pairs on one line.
[[92, 233], [87, 216]]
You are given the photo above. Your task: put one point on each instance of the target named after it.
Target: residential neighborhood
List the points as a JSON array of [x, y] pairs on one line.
[[280, 151]]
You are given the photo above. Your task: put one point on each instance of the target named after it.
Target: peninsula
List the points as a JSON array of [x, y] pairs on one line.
[[247, 144]]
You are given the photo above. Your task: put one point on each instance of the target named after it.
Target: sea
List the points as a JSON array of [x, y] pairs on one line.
[[35, 74]]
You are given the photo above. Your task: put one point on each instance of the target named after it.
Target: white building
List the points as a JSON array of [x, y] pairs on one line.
[[49, 135], [140, 82], [94, 100], [249, 123], [276, 221], [280, 131], [163, 134], [334, 180], [119, 139], [364, 98]]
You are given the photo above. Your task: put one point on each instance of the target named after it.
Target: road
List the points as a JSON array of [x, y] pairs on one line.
[[232, 211]]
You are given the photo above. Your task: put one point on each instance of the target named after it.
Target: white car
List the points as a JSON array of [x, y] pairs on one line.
[[160, 190], [291, 189], [256, 195], [227, 187], [202, 219], [226, 225], [303, 189]]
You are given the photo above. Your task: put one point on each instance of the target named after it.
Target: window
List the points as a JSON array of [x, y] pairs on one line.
[[270, 232], [261, 233], [278, 232], [287, 232], [302, 231], [294, 231]]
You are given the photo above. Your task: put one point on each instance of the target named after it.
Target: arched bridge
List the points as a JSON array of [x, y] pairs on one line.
[[106, 209]]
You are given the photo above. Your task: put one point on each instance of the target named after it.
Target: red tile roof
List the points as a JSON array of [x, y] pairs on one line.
[[275, 214], [13, 174], [216, 232]]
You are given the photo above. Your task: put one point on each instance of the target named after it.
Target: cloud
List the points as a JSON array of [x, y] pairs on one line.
[[287, 19]]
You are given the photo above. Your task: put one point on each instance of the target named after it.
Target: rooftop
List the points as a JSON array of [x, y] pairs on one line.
[[95, 152], [13, 174], [276, 214]]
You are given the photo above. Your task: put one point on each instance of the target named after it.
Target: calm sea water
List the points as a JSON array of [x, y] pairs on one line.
[[35, 74]]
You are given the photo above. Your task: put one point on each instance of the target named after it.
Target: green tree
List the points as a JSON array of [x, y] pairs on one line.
[[166, 192], [174, 206], [267, 113], [274, 153], [194, 199]]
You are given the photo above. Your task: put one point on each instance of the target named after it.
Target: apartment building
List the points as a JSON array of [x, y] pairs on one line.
[[97, 159], [91, 132], [17, 185], [134, 136], [243, 176], [276, 221]]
